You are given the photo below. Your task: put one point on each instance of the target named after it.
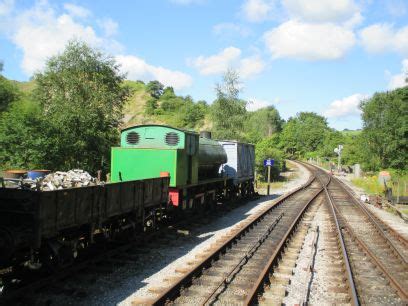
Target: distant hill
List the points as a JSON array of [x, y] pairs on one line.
[[135, 108], [348, 132], [25, 87]]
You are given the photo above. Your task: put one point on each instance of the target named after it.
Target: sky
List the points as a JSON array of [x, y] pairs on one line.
[[323, 56]]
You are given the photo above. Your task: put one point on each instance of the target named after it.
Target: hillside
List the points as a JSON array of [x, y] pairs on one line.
[[169, 109], [134, 109], [351, 132]]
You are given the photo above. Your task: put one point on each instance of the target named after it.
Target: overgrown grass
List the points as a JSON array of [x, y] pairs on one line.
[[369, 184], [399, 183], [404, 211]]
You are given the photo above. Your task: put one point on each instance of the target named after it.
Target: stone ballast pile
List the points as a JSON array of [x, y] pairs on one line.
[[62, 180]]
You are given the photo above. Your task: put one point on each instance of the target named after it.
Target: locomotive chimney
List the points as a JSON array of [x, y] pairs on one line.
[[205, 134]]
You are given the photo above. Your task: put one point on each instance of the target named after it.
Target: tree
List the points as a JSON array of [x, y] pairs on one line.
[[82, 94], [304, 133], [353, 152], [8, 91], [155, 89], [331, 139], [263, 123], [267, 148], [23, 141], [385, 129], [228, 112]]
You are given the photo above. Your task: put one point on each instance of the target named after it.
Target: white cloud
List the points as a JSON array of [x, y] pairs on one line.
[[384, 37], [41, 33], [109, 26], [218, 63], [250, 66], [400, 80], [228, 58], [6, 6], [257, 10], [255, 104], [309, 41], [138, 69], [345, 107], [321, 10], [76, 10], [229, 29]]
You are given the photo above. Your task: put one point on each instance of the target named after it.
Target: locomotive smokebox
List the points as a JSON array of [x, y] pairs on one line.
[[205, 134]]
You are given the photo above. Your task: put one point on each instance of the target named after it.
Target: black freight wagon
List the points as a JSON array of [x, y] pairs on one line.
[[54, 225]]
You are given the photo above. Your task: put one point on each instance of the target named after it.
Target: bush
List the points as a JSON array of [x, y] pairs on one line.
[[267, 148]]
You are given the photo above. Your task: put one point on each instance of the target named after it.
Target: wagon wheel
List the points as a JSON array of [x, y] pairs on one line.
[[6, 245], [55, 260]]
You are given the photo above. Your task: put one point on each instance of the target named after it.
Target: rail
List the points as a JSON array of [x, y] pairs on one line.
[[346, 260], [252, 296], [337, 215], [172, 292]]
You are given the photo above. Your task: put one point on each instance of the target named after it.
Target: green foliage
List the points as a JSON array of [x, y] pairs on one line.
[[304, 133], [81, 93], [8, 93], [369, 184], [385, 130], [151, 106], [228, 112], [262, 123], [267, 148], [353, 151], [155, 89], [22, 141], [164, 106], [331, 139]]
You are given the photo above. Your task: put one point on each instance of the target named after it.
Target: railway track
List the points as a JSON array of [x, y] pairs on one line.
[[377, 258], [255, 264], [235, 270]]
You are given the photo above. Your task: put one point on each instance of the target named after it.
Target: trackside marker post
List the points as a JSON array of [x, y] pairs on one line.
[[269, 163]]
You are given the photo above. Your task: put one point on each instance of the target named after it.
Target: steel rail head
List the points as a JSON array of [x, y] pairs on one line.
[[214, 293], [350, 277], [252, 296], [349, 273]]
